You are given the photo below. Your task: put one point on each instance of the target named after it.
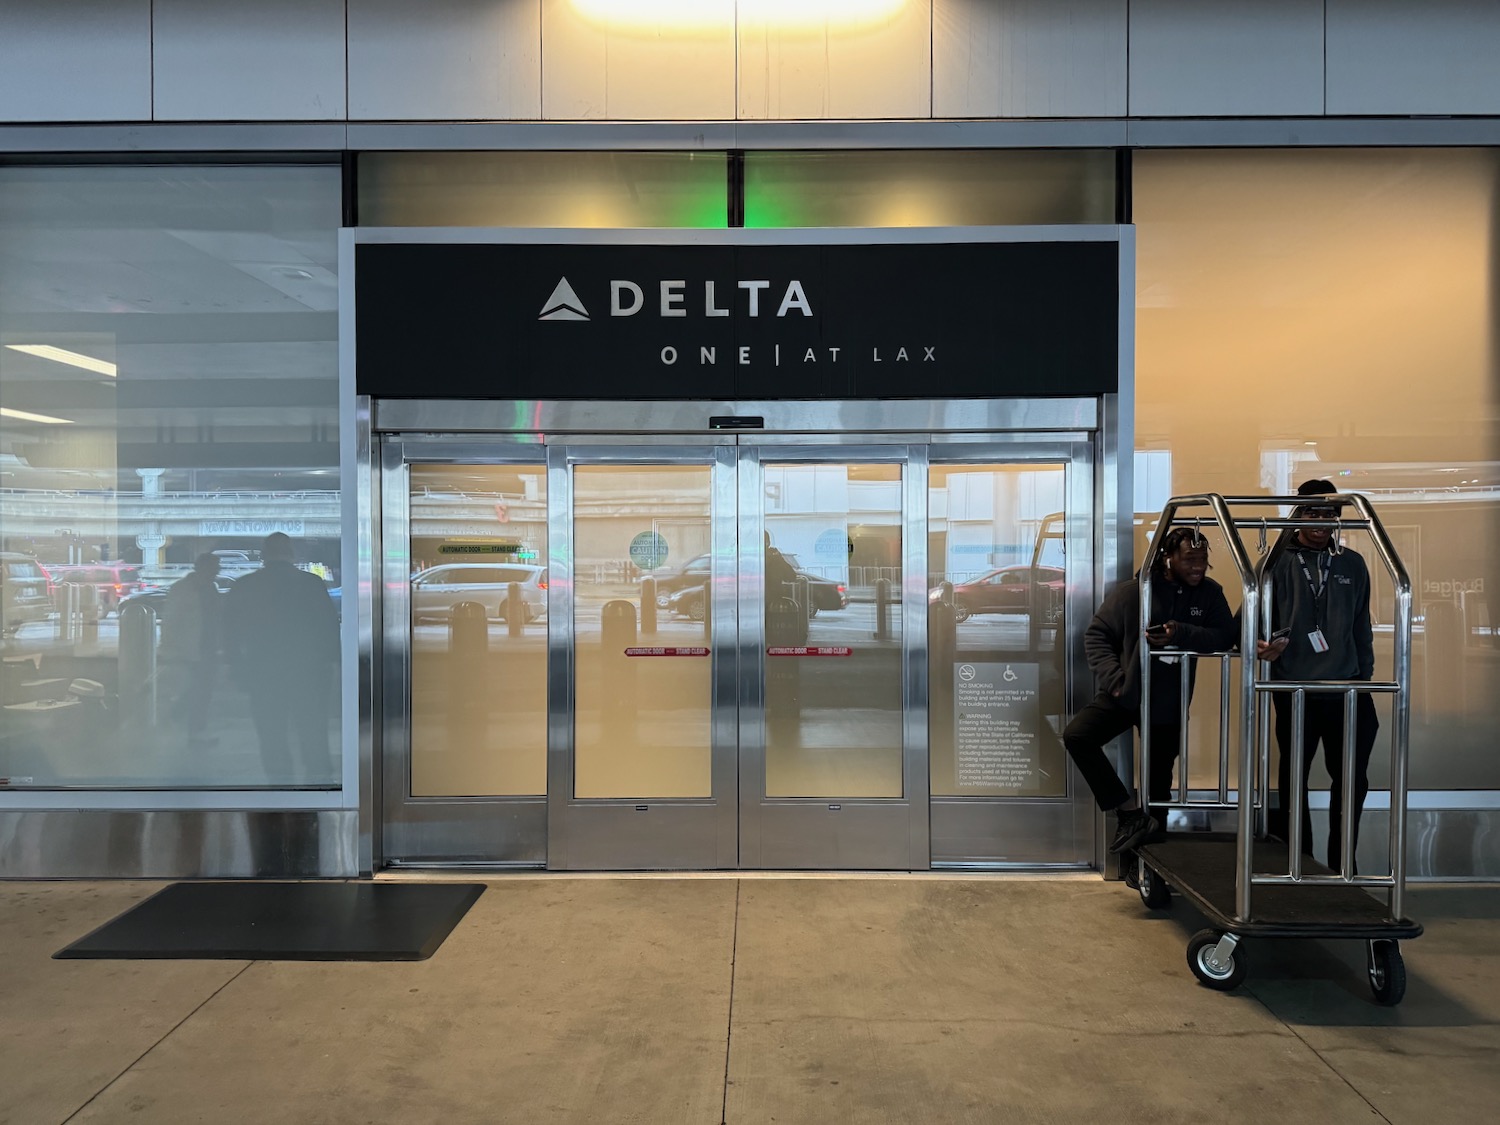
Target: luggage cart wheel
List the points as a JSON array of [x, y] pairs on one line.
[[1216, 959], [1387, 972], [1154, 890]]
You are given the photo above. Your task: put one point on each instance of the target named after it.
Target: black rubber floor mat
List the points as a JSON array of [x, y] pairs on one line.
[[311, 921]]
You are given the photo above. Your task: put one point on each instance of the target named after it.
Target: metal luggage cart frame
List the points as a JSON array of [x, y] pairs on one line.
[[1229, 877]]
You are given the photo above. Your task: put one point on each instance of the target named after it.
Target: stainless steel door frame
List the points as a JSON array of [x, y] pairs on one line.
[[834, 833], [487, 831], [1033, 832], [737, 826], [615, 834]]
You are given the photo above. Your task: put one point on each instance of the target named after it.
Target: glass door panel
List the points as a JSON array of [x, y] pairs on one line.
[[833, 628], [463, 579], [832, 765], [1010, 586], [642, 772], [996, 630], [643, 718], [478, 630]]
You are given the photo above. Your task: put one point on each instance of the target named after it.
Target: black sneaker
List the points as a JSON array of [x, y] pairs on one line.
[[1130, 870], [1134, 827]]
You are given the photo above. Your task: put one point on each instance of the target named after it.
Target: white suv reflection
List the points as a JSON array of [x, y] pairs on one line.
[[435, 591]]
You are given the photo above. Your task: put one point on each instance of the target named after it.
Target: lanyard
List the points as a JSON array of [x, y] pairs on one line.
[[1318, 589]]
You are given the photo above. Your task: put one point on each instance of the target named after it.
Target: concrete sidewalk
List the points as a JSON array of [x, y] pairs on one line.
[[818, 1000]]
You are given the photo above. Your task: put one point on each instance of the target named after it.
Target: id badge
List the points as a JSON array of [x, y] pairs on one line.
[[1316, 639]]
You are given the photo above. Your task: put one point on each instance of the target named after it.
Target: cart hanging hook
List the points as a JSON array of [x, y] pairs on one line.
[[1260, 540], [1334, 546]]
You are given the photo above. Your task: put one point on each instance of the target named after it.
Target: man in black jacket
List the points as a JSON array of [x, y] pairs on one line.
[[1188, 611], [1323, 596]]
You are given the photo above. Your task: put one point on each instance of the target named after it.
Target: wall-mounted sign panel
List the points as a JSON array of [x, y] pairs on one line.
[[840, 321]]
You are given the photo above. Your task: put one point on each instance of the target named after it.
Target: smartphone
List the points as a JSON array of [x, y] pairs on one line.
[[1159, 631], [1287, 632]]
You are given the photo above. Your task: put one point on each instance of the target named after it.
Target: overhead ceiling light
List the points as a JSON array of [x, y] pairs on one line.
[[62, 355], [26, 416], [688, 16]]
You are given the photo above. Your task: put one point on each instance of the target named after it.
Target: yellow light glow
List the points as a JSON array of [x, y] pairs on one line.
[[62, 355], [25, 416], [703, 15]]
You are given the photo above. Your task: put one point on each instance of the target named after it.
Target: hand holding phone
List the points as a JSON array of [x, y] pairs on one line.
[[1270, 650], [1157, 634]]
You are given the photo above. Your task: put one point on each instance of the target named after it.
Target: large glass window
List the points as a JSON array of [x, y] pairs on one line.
[[543, 189], [169, 489], [938, 188], [1332, 314]]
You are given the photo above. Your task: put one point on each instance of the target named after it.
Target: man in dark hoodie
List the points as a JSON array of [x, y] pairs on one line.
[[1323, 596], [1188, 611]]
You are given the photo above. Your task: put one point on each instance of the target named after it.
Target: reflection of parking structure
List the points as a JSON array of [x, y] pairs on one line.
[[434, 592], [1012, 590]]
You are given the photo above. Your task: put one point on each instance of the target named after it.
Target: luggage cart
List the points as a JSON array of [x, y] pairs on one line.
[[1245, 884]]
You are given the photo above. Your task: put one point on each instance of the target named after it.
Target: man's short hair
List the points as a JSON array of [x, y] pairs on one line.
[[1316, 487], [278, 545]]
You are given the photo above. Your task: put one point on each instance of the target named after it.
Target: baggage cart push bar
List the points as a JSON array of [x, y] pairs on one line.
[[1220, 874]]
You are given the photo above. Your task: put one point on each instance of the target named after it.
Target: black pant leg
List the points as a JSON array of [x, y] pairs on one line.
[[1165, 746], [1085, 738], [1366, 728], [1280, 819]]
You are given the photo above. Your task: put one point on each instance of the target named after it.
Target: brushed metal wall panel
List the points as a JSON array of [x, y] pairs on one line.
[[445, 60], [274, 60], [617, 62], [1385, 56], [177, 843], [1029, 58], [1226, 58], [88, 60], [835, 67]]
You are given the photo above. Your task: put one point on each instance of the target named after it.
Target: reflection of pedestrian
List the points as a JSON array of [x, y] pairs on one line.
[[283, 632], [786, 620], [192, 630]]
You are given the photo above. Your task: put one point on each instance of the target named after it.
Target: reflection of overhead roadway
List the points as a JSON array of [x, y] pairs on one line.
[[307, 513], [40, 512]]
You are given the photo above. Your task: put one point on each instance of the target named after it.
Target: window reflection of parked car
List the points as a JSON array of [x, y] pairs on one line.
[[822, 592], [114, 581], [671, 580], [435, 591], [156, 596], [1010, 590], [24, 594]]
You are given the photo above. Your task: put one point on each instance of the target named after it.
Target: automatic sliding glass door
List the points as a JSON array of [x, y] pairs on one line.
[[643, 754], [734, 654], [832, 757]]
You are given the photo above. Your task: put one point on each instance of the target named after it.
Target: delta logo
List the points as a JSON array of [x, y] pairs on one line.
[[626, 298]]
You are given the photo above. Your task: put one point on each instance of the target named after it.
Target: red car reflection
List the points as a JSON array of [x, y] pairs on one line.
[[1016, 589]]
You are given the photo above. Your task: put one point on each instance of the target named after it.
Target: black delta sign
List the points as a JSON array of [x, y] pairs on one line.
[[595, 321]]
